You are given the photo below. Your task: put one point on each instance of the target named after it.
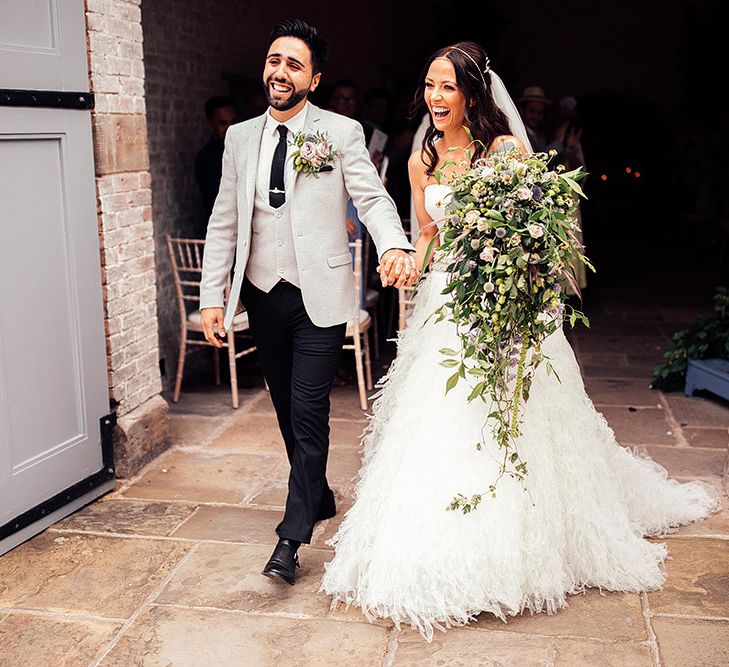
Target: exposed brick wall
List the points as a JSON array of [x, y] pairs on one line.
[[123, 182], [188, 45]]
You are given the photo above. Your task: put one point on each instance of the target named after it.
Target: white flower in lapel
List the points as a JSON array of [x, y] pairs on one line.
[[315, 153]]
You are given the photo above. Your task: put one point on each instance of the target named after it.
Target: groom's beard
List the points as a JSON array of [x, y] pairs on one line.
[[287, 103]]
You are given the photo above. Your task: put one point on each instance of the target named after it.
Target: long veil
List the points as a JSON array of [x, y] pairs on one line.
[[506, 104]]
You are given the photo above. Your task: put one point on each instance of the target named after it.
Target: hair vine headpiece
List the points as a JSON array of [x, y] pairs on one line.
[[486, 70]]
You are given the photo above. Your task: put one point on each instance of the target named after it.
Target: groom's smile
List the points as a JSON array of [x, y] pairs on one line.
[[280, 87], [278, 92]]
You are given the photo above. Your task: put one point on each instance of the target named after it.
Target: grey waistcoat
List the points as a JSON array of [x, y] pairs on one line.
[[273, 256]]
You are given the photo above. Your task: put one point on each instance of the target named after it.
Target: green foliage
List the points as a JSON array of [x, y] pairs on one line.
[[706, 338], [509, 241]]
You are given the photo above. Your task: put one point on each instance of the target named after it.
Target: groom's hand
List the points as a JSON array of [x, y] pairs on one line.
[[398, 268], [210, 317]]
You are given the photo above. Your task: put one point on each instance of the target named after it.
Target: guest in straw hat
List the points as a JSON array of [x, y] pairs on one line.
[[532, 105]]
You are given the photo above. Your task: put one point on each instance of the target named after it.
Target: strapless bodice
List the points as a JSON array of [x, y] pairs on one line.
[[436, 197]]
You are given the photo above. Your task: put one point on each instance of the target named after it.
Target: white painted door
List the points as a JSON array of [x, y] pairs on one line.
[[53, 380]]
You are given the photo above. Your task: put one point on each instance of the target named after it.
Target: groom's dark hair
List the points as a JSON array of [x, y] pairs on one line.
[[307, 34]]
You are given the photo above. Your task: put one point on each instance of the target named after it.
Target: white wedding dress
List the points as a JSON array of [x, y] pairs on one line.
[[590, 502]]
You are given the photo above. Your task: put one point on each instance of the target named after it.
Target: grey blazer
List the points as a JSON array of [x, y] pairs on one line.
[[318, 215]]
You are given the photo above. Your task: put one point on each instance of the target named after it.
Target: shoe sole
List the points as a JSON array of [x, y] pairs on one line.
[[276, 577]]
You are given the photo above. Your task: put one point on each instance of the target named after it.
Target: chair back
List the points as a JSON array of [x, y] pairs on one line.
[[406, 295], [356, 247], [186, 257], [366, 246]]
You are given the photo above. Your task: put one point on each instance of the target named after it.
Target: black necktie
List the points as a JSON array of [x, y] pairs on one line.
[[277, 193]]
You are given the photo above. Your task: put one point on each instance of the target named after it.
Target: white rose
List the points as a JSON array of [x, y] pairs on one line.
[[536, 231], [472, 216], [524, 193], [486, 172], [483, 225], [487, 254], [308, 150]]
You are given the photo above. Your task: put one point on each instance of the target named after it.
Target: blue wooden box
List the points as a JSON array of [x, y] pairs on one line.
[[708, 374]]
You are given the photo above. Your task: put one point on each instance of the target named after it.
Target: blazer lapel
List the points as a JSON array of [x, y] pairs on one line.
[[311, 126], [255, 135]]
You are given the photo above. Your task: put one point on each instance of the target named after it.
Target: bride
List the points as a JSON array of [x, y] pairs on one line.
[[588, 502]]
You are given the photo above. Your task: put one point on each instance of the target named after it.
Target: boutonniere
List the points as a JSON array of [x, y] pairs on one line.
[[315, 153]]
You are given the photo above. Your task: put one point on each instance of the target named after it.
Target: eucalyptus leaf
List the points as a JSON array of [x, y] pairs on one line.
[[574, 185], [452, 382]]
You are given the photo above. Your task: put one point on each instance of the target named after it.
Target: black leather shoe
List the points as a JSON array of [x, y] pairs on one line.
[[327, 508], [283, 562]]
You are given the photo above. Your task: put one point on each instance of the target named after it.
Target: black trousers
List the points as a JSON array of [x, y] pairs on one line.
[[299, 361]]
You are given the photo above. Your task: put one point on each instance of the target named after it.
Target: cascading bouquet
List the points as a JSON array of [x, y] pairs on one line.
[[509, 243]]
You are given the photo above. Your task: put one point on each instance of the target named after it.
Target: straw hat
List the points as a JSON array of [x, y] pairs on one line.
[[534, 94]]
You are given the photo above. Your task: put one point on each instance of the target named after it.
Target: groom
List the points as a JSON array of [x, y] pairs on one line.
[[293, 269]]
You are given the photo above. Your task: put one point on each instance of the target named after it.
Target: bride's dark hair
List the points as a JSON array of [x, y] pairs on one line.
[[484, 118]]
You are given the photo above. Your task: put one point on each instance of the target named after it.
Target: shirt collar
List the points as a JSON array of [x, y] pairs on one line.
[[294, 124]]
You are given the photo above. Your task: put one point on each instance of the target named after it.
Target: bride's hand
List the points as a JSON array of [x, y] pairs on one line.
[[419, 257], [425, 242]]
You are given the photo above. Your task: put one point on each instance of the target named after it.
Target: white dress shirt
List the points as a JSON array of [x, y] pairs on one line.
[[269, 141]]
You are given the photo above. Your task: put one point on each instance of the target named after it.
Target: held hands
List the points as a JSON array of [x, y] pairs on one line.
[[398, 268], [211, 317]]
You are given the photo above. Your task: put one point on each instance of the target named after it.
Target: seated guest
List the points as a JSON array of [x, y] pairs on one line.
[[209, 160]]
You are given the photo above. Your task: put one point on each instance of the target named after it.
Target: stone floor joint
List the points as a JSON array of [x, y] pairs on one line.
[[551, 653], [242, 612], [652, 639], [691, 617], [106, 649], [681, 440], [388, 659], [61, 615]]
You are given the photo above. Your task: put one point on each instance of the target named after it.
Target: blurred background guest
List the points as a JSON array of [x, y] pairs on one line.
[[376, 111], [563, 131], [220, 113], [343, 99], [532, 105]]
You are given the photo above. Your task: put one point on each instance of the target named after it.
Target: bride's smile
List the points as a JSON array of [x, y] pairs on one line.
[[443, 97]]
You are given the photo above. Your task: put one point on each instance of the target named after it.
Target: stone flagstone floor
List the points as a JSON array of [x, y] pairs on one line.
[[166, 569]]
